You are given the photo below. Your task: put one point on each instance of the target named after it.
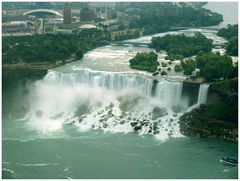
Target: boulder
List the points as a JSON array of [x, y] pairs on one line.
[[138, 127], [158, 112], [156, 132], [133, 124], [105, 125]]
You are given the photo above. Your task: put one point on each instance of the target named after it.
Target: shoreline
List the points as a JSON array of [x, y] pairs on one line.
[[23, 69]]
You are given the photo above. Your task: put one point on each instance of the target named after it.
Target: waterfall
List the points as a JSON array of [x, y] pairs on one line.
[[114, 102], [110, 81], [168, 92], [202, 94]]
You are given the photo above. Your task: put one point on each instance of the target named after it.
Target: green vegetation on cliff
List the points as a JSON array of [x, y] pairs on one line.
[[215, 66], [50, 47], [229, 85], [180, 46], [231, 34], [145, 61]]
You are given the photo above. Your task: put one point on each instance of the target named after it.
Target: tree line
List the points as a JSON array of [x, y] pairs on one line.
[[51, 47], [231, 34], [181, 46], [158, 17]]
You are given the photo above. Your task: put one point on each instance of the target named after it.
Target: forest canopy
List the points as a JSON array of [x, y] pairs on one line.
[[181, 46], [145, 61], [158, 17], [231, 34], [50, 47], [215, 66]]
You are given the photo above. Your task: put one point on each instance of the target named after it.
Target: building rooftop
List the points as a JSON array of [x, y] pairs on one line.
[[14, 23], [87, 26]]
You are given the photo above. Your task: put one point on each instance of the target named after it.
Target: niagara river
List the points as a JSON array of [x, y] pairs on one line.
[[97, 118]]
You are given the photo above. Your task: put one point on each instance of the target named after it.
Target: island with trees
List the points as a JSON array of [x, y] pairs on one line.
[[181, 46], [145, 61], [178, 47]]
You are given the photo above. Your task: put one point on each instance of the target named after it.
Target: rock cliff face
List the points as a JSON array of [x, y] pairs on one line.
[[218, 118], [198, 123]]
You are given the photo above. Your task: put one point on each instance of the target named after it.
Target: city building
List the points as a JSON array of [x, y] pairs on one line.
[[48, 28], [87, 26], [75, 12], [67, 17], [54, 21], [111, 13], [62, 31], [6, 18], [16, 26], [102, 4], [110, 25], [117, 34], [88, 15]]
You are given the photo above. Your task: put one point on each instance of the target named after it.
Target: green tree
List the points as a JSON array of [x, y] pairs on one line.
[[145, 61], [177, 68], [214, 66], [51, 47], [188, 66], [232, 46], [79, 54], [231, 34], [180, 46]]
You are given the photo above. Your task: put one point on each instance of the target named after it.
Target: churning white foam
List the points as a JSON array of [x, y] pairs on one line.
[[112, 102], [37, 164]]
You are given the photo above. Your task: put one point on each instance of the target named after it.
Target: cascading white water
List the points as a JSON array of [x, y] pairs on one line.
[[202, 94], [109, 101], [110, 81], [169, 93]]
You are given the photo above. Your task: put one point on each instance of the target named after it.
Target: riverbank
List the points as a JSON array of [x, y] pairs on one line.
[[28, 69]]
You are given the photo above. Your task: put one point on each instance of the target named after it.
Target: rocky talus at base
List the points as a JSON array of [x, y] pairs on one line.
[[197, 123]]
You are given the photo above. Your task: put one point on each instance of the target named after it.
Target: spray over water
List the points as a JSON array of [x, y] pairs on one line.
[[108, 101]]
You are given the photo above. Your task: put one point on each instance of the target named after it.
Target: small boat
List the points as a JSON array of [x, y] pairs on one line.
[[229, 161]]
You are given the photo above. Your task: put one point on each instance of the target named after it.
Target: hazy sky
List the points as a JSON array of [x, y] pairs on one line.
[[229, 10]]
